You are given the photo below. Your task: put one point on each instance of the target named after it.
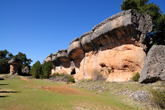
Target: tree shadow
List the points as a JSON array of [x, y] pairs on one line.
[[10, 92], [4, 96], [3, 84], [1, 78]]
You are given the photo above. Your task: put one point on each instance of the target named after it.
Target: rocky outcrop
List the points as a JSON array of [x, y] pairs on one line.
[[25, 70], [115, 48], [154, 67], [14, 64]]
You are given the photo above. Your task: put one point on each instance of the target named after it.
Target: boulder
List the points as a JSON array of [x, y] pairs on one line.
[[140, 96], [25, 70], [154, 67]]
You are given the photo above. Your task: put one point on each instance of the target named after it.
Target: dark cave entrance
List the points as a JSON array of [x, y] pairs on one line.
[[73, 72]]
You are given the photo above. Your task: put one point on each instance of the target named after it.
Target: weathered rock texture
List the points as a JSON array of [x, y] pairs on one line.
[[154, 67], [25, 70], [115, 48], [14, 64]]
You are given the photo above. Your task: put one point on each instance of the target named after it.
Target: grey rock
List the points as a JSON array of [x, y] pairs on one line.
[[154, 67], [124, 24], [86, 41], [15, 61], [62, 55], [75, 50], [25, 70], [140, 96], [48, 58]]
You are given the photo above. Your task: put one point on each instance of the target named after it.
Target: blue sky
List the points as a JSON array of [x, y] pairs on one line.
[[40, 27]]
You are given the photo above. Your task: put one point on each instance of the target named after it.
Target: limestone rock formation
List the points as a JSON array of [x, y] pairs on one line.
[[25, 70], [154, 67], [115, 48], [14, 64]]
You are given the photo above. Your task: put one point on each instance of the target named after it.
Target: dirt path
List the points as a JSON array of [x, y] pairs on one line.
[[64, 89], [23, 78]]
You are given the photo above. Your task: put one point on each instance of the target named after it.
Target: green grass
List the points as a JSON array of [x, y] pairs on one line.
[[29, 97]]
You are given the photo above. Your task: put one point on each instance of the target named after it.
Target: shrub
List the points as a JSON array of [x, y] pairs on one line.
[[136, 77], [109, 71], [63, 77], [56, 74], [158, 96], [71, 79], [97, 76]]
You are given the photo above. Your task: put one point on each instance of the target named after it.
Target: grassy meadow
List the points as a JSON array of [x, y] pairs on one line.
[[20, 93]]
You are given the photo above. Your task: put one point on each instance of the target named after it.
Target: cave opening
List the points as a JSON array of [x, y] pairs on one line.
[[73, 72]]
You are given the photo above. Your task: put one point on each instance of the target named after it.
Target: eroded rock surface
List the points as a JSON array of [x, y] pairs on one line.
[[115, 48], [25, 70], [14, 64], [154, 67]]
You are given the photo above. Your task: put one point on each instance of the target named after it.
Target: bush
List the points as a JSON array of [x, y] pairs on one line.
[[71, 79], [136, 77], [62, 77], [158, 96], [97, 76], [109, 71]]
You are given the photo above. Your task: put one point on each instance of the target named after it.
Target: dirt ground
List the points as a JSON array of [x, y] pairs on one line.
[[64, 89]]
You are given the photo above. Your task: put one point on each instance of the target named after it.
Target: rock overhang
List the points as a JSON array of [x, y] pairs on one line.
[[15, 61], [75, 49], [127, 27], [62, 55]]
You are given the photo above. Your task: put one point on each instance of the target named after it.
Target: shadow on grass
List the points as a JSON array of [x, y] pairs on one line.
[[1, 78], [3, 84], [4, 96], [10, 92]]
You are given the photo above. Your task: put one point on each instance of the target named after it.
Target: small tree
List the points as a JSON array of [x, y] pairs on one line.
[[46, 69], [36, 70], [5, 56]]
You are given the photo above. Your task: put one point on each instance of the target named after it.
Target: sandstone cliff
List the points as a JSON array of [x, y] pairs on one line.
[[115, 48]]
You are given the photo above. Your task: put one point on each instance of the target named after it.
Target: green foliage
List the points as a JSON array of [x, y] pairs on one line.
[[25, 61], [154, 11], [97, 76], [158, 96], [56, 74], [109, 71], [63, 77], [36, 70], [5, 56], [71, 79], [46, 69], [136, 77]]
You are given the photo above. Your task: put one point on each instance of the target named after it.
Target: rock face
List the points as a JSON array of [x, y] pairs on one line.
[[154, 67], [140, 96], [115, 48], [25, 70], [14, 64]]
